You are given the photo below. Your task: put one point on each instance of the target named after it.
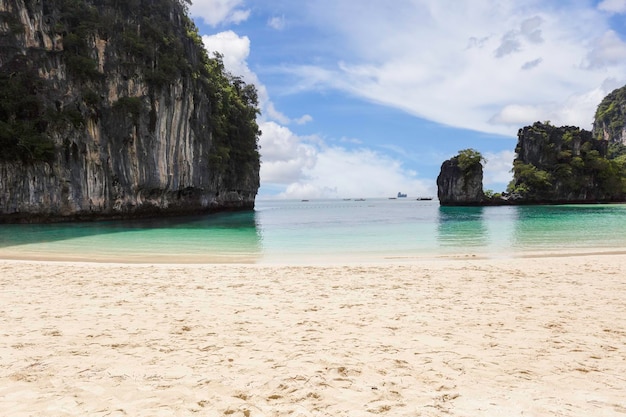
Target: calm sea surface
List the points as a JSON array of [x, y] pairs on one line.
[[328, 230]]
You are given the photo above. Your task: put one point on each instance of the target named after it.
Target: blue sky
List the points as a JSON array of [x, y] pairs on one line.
[[365, 98]]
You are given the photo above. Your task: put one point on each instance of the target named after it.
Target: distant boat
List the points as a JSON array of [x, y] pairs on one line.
[[359, 199], [424, 198], [400, 195]]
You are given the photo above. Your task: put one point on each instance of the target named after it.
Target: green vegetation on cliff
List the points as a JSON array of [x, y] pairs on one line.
[[468, 158], [610, 117], [559, 164], [552, 164], [153, 42]]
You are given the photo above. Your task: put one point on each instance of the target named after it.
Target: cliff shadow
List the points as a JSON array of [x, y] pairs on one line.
[[217, 236], [556, 227]]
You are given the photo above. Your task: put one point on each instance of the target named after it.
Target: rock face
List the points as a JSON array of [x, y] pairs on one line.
[[610, 119], [106, 112], [553, 165], [460, 187], [565, 165]]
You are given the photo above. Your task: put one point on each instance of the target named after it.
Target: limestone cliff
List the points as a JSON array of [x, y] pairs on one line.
[[610, 119], [113, 109], [460, 181], [564, 165]]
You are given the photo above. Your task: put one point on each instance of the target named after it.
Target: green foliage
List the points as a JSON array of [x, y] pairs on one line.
[[153, 41], [235, 131], [490, 195], [131, 105], [22, 118], [616, 150], [82, 67], [611, 114], [468, 158], [558, 162], [530, 179], [91, 98]]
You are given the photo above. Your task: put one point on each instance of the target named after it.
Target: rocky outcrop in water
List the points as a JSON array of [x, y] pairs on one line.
[[554, 165], [460, 181], [113, 109]]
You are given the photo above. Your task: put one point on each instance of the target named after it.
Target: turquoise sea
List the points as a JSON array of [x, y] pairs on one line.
[[329, 231]]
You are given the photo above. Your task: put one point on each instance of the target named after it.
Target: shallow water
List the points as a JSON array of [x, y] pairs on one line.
[[293, 231]]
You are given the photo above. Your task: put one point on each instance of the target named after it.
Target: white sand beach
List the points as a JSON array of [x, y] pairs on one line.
[[539, 336]]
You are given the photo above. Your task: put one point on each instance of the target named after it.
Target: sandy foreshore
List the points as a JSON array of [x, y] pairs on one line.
[[470, 337]]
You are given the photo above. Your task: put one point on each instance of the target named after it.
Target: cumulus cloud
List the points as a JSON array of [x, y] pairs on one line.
[[608, 50], [285, 155], [305, 167], [342, 173], [216, 12], [277, 22], [613, 6], [235, 50], [517, 114], [497, 171], [488, 66]]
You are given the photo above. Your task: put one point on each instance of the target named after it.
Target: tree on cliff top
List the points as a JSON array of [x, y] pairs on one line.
[[468, 158]]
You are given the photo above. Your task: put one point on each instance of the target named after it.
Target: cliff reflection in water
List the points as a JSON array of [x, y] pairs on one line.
[[462, 226], [215, 237], [567, 226]]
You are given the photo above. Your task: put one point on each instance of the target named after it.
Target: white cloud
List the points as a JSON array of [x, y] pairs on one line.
[[284, 155], [518, 115], [342, 173], [497, 170], [608, 50], [489, 66], [307, 118], [613, 6], [235, 50], [277, 22], [216, 12], [305, 167]]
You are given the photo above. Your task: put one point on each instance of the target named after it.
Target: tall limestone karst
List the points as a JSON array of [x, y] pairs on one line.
[[564, 165], [610, 122], [112, 108], [460, 181], [556, 165]]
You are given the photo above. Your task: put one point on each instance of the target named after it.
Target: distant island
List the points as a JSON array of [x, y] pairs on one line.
[[553, 165]]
